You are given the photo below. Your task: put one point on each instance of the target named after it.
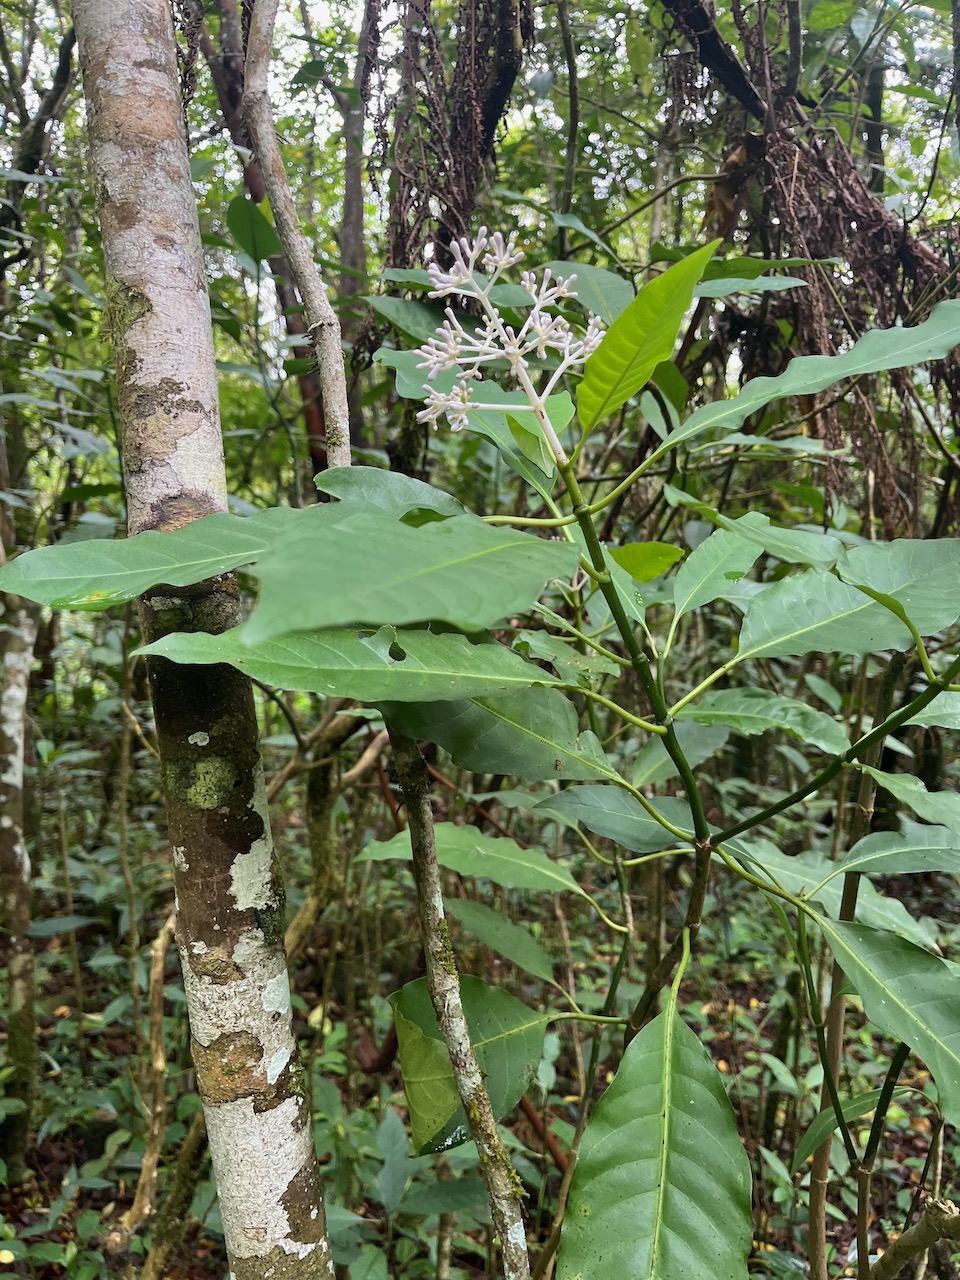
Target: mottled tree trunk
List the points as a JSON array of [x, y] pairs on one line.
[[18, 634], [229, 895]]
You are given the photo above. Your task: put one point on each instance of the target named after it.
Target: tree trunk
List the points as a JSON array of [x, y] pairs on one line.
[[229, 895], [19, 620], [17, 639]]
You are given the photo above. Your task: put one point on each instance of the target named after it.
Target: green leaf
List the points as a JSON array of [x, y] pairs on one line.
[[609, 811], [710, 568], [645, 561], [604, 293], [895, 853], [792, 546], [573, 223], [661, 1189], [389, 491], [493, 425], [942, 713], [876, 352], [420, 320], [252, 231], [531, 444], [922, 575], [411, 379], [826, 1122], [428, 1082], [942, 807], [815, 612], [829, 15], [414, 276], [802, 873], [450, 1196], [752, 711], [532, 734], [572, 666], [469, 852], [642, 336], [408, 666], [653, 764], [908, 993], [735, 284], [51, 926], [501, 935], [95, 574], [507, 1038], [363, 566]]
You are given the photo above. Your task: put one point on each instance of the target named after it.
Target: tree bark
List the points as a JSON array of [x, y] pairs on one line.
[[17, 639], [230, 908], [19, 621]]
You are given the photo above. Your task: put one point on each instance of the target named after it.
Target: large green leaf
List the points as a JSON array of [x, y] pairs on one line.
[[609, 811], [825, 1123], [640, 337], [420, 320], [532, 734], [409, 666], [800, 874], [645, 561], [494, 424], [895, 853], [661, 1189], [469, 852], [814, 612], [793, 546], [507, 1039], [908, 993], [95, 574], [364, 566], [411, 379], [389, 491], [709, 570], [941, 807], [875, 352], [942, 713], [252, 231], [750, 711], [513, 941], [603, 292], [698, 742], [921, 575]]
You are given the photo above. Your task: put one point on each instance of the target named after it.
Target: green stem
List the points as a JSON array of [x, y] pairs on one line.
[[883, 1104], [876, 734], [638, 659], [817, 1012]]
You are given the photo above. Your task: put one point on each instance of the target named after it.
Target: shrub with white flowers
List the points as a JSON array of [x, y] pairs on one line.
[[543, 331]]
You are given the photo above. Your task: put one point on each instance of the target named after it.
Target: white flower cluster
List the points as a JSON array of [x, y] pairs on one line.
[[454, 347]]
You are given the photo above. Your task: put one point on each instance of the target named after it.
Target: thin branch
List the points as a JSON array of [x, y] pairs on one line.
[[443, 981], [322, 323], [940, 1220]]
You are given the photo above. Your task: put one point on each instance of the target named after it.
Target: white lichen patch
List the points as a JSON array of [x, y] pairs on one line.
[[179, 854], [256, 1156], [276, 997], [199, 948], [199, 739], [276, 1064], [251, 876], [17, 661], [246, 1005]]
